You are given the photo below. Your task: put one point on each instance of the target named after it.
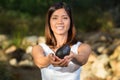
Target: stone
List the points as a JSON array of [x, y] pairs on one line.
[[98, 67]]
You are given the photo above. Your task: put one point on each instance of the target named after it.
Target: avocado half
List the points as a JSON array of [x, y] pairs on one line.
[[63, 51]]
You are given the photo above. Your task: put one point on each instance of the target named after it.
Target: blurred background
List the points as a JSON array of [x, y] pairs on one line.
[[22, 26]]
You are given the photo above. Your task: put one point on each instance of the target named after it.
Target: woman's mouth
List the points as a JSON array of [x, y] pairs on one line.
[[60, 27]]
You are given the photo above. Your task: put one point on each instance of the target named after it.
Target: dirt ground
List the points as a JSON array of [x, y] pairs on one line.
[[26, 73]]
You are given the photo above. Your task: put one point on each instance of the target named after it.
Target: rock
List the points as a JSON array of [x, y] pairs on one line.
[[116, 41], [98, 67], [3, 37], [103, 63], [116, 53], [17, 54], [29, 49], [110, 49], [41, 39], [10, 49], [113, 64], [117, 69], [101, 49], [5, 44], [25, 63], [31, 40], [2, 56], [99, 37], [116, 33], [92, 58], [13, 62]]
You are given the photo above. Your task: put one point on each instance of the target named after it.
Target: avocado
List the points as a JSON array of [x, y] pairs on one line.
[[63, 51]]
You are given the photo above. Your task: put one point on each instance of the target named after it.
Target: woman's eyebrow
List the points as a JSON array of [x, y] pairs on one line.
[[54, 15], [64, 15], [58, 15]]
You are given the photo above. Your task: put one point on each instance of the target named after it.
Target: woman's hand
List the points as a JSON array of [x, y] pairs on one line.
[[56, 61], [69, 57]]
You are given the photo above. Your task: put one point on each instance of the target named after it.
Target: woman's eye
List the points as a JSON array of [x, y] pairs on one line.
[[54, 18], [65, 18]]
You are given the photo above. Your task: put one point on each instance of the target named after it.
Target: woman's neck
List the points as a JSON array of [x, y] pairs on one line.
[[61, 39]]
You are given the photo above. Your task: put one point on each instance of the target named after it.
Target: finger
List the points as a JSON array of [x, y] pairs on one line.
[[64, 63], [52, 56], [57, 58], [57, 63]]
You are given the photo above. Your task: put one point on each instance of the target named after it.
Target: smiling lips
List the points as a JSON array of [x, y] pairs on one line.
[[59, 27]]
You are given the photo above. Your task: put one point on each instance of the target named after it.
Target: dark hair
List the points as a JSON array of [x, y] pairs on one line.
[[50, 38]]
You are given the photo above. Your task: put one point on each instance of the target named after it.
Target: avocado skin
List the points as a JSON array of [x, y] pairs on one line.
[[63, 51]]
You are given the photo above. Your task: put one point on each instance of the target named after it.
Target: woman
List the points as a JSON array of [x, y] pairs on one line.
[[60, 30]]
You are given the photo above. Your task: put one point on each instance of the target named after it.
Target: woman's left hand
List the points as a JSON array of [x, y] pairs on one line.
[[62, 62], [69, 57]]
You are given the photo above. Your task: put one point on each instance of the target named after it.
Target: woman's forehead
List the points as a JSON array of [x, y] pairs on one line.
[[61, 12]]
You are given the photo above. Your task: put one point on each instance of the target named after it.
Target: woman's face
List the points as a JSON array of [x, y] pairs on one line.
[[60, 22]]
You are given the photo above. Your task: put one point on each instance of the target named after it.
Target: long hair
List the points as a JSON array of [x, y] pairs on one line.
[[50, 38]]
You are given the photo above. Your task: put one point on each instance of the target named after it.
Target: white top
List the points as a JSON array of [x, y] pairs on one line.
[[71, 72]]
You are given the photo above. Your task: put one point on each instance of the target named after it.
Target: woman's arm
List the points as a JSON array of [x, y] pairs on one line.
[[81, 58], [42, 61], [39, 58]]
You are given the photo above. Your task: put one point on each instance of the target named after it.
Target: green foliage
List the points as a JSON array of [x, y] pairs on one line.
[[31, 6], [22, 17], [87, 21], [106, 22], [18, 25], [12, 22], [17, 39]]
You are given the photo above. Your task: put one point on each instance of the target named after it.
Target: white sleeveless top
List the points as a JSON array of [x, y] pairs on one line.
[[71, 72]]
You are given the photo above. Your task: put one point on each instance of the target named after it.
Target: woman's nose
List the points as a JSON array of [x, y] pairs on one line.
[[60, 20]]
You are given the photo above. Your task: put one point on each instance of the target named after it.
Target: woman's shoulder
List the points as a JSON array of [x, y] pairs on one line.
[[86, 47], [43, 44], [77, 43], [36, 47], [74, 47], [39, 46]]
